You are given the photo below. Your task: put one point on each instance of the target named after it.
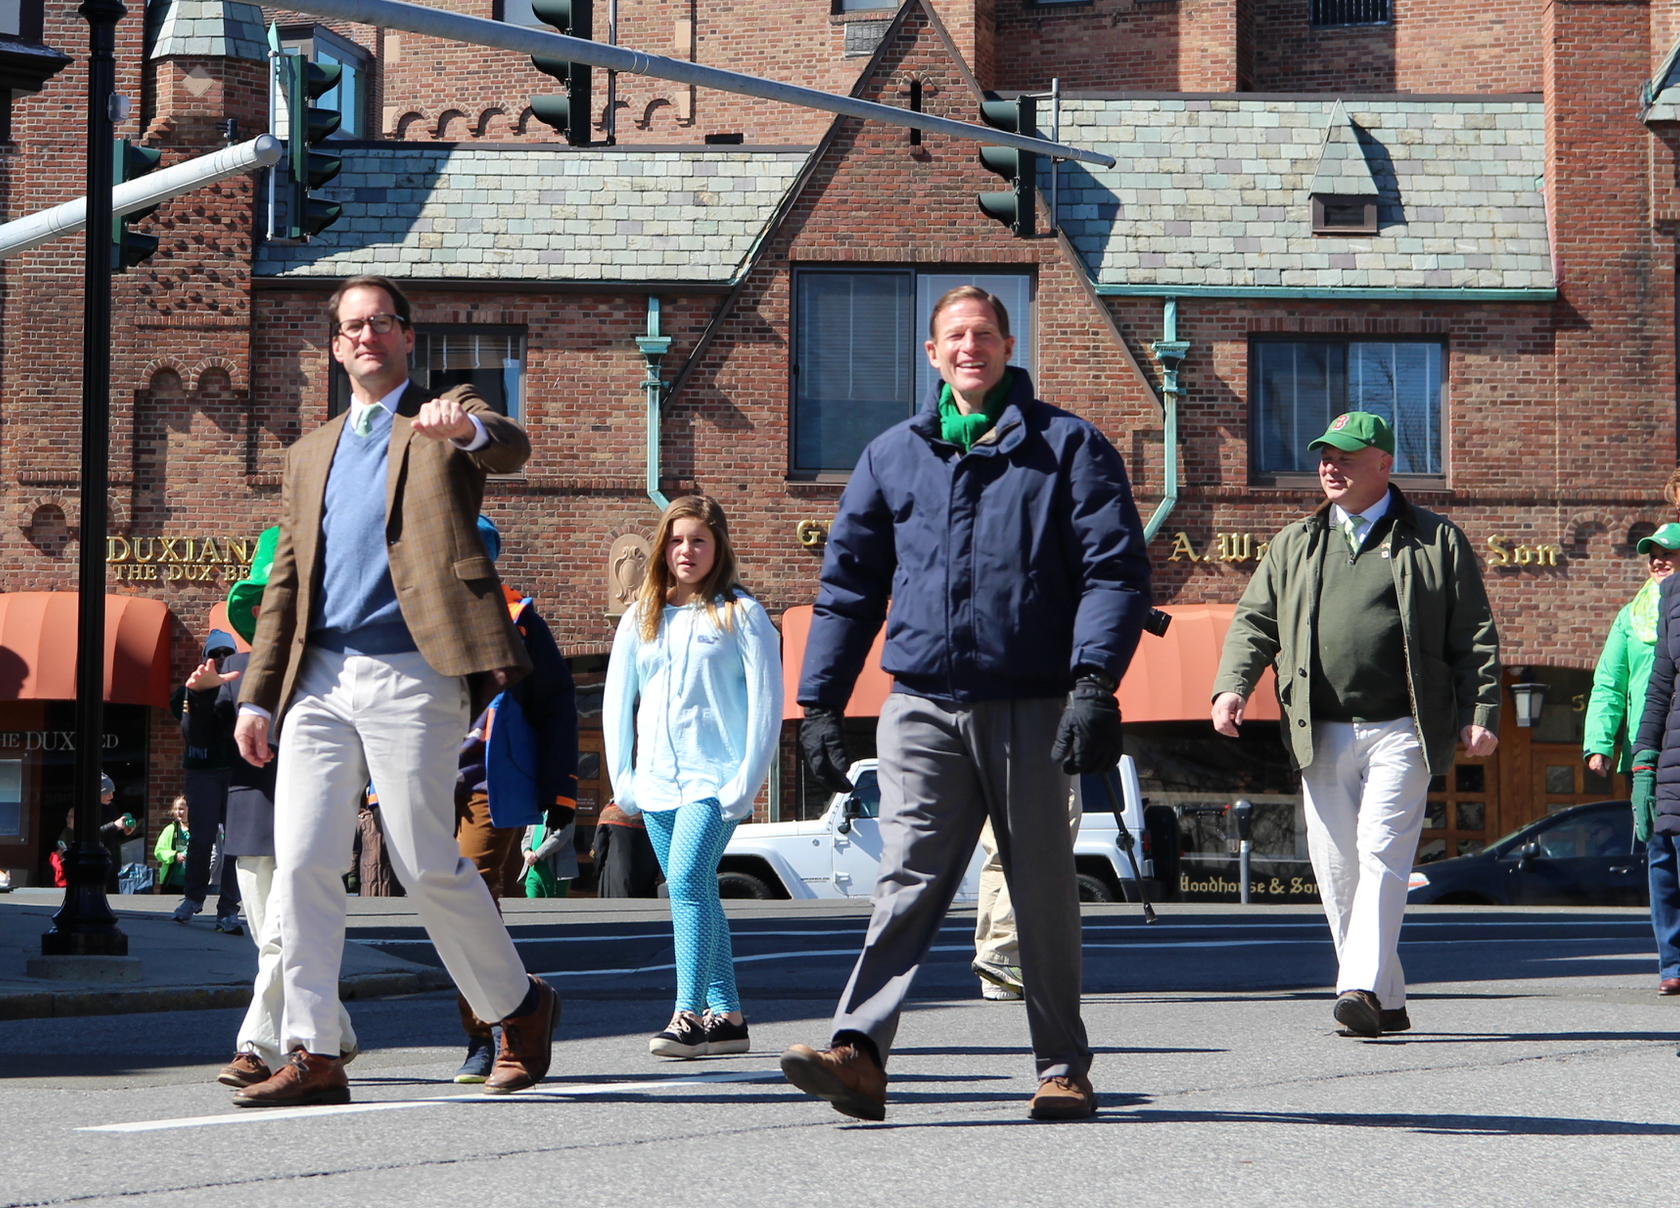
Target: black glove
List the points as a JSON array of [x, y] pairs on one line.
[[822, 738], [1088, 738]]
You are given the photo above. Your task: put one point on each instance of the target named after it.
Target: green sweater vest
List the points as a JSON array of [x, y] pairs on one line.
[[1359, 668]]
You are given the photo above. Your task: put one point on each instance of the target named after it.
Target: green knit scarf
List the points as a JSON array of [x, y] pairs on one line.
[[963, 430]]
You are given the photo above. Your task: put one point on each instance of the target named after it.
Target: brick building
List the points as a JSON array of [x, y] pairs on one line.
[[1460, 215]]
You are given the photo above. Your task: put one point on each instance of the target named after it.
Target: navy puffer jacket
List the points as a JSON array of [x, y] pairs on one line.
[[1007, 567], [1659, 726]]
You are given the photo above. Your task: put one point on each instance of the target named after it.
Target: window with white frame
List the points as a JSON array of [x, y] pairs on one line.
[[1296, 387], [489, 359], [859, 365]]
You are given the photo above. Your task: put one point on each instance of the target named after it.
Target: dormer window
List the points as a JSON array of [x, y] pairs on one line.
[[1334, 214]]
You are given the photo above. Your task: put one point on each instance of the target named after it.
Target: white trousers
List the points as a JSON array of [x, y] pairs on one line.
[[260, 1031], [995, 938], [395, 722], [1365, 794]]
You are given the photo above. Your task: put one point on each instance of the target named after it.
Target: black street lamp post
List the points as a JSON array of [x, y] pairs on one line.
[[85, 925]]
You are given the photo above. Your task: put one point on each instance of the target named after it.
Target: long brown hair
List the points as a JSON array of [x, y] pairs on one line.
[[722, 583]]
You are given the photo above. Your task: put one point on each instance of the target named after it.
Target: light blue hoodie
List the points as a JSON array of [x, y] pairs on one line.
[[709, 714]]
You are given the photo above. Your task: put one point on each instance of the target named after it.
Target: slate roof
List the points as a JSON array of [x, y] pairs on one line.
[[206, 29], [1213, 195], [544, 213], [1662, 91]]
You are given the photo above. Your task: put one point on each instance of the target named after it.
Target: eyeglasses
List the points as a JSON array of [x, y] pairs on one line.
[[381, 324]]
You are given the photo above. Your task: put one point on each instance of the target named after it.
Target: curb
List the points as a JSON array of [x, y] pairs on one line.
[[49, 1004]]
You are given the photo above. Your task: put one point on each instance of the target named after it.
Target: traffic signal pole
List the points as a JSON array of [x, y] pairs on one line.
[[542, 44], [85, 924]]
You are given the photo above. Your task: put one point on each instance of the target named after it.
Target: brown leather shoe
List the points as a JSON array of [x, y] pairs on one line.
[[1394, 1021], [1669, 986], [246, 1069], [1359, 1012], [1064, 1099], [845, 1075], [304, 1081], [527, 1044]]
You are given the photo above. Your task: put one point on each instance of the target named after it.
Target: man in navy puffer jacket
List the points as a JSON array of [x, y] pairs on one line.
[[1004, 534]]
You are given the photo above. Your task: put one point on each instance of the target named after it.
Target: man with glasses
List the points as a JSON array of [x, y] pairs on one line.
[[383, 631], [1373, 613]]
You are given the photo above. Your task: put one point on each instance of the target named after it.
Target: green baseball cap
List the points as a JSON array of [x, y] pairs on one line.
[[1667, 537], [1357, 430], [247, 594]]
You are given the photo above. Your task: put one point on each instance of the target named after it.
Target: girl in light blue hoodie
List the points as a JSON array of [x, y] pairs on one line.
[[692, 711]]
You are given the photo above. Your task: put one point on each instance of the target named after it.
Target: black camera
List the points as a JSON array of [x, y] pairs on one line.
[[1157, 622]]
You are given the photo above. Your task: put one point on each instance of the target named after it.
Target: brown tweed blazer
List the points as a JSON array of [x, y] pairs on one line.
[[446, 584]]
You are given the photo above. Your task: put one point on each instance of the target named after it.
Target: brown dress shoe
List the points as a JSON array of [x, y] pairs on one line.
[[1359, 1012], [1669, 986], [304, 1081], [844, 1075], [246, 1069], [1394, 1021], [1064, 1099], [527, 1044]]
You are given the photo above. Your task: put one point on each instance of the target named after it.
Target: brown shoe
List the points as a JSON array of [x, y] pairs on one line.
[[1359, 1013], [1669, 986], [1064, 1099], [246, 1069], [845, 1075], [1394, 1021], [304, 1081], [527, 1044]]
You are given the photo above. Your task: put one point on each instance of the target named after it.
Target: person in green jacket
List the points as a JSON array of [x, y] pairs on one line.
[[171, 850], [1373, 614], [1618, 698]]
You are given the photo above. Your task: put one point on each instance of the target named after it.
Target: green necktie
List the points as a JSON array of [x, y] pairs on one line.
[[364, 422], [1351, 528]]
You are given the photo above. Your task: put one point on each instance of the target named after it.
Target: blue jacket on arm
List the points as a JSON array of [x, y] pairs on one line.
[[1007, 567]]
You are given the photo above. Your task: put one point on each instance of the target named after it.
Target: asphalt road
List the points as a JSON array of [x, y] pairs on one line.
[[1540, 1072]]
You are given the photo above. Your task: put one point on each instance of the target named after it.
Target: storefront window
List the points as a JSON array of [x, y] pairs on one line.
[[1298, 387], [11, 798]]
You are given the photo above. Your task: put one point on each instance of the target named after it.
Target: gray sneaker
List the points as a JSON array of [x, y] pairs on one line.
[[184, 912], [1007, 976]]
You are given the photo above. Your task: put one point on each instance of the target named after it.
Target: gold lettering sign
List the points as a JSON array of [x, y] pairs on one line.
[[1501, 552], [812, 534], [1247, 548], [201, 559]]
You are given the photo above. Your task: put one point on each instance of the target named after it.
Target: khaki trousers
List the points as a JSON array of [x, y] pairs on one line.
[[995, 939]]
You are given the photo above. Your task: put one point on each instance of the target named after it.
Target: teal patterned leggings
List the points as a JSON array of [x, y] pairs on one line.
[[689, 841]]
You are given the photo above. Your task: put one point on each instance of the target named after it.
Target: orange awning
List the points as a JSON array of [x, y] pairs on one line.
[[38, 648], [1170, 679], [219, 620]]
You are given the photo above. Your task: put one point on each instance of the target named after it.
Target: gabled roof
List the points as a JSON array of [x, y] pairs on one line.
[[543, 212], [1342, 169], [1662, 91], [206, 29], [1213, 195]]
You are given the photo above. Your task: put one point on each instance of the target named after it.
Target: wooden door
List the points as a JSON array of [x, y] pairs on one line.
[[1462, 810]]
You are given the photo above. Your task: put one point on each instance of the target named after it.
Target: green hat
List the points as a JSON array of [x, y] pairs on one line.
[[1357, 430], [245, 595], [1667, 537]]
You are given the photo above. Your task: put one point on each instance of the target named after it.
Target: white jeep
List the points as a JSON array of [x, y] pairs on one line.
[[836, 855]]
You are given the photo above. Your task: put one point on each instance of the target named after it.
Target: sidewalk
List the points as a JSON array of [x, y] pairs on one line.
[[183, 968]]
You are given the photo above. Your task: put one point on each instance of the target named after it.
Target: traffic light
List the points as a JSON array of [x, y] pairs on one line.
[[130, 162], [306, 127], [568, 114], [1016, 208]]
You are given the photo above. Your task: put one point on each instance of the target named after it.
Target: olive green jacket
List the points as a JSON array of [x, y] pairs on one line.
[[1452, 649]]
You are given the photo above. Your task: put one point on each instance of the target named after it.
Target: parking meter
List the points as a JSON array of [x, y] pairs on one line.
[[1242, 813]]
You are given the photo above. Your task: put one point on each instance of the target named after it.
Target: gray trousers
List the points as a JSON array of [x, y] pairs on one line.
[[943, 772]]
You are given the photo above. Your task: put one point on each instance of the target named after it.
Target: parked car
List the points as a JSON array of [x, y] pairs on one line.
[[1582, 856], [836, 854]]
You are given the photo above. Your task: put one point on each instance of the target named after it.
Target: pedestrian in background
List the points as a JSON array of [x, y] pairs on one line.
[[626, 865], [208, 772], [550, 860], [692, 711], [517, 768], [211, 713], [1003, 532], [1656, 761], [171, 849], [1620, 682], [111, 835], [1373, 614]]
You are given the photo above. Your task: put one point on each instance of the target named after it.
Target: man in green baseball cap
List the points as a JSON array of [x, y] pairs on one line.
[[1373, 614], [1618, 697]]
